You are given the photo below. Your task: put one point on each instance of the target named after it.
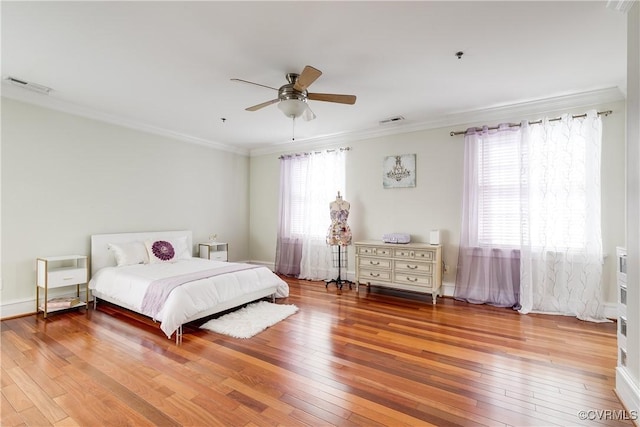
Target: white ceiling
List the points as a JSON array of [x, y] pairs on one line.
[[166, 66]]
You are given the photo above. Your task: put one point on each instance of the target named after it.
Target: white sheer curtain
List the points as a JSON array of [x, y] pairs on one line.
[[561, 261], [531, 234], [489, 256], [308, 184]]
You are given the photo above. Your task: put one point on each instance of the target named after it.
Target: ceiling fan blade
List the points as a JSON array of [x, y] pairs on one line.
[[308, 76], [264, 104], [252, 83], [331, 97]]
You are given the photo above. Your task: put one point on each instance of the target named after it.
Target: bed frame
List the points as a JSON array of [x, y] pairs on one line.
[[102, 257]]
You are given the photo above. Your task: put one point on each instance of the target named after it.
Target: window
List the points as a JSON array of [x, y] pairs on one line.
[[308, 183], [531, 233], [531, 189], [498, 189], [298, 189], [313, 181]]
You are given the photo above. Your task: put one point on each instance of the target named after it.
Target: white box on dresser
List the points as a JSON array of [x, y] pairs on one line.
[[413, 267]]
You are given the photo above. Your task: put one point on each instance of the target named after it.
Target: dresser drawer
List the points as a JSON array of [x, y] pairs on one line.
[[66, 276], [372, 250], [365, 250], [412, 266], [403, 253], [374, 263], [383, 251], [374, 275], [218, 256], [427, 255], [413, 279]]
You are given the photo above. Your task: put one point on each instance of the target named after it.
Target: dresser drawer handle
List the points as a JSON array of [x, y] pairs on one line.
[[374, 275], [67, 278], [412, 279], [412, 267], [374, 263]]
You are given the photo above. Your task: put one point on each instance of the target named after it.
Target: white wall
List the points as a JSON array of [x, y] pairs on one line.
[[66, 177], [436, 201], [628, 380]]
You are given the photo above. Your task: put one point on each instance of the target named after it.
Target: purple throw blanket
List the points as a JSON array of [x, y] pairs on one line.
[[159, 290]]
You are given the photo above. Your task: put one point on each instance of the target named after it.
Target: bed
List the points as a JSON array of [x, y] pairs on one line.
[[155, 274]]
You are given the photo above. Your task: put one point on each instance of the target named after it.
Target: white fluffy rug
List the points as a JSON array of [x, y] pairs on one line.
[[249, 320]]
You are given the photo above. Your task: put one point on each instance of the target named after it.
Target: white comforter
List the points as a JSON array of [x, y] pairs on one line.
[[127, 286]]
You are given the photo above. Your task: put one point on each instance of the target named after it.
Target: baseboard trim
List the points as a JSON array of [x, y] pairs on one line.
[[25, 307], [270, 265], [17, 308], [610, 310], [628, 391]]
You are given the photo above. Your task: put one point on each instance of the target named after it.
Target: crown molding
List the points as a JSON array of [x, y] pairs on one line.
[[46, 101], [507, 112]]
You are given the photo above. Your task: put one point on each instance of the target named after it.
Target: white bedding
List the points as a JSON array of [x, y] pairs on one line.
[[128, 284]]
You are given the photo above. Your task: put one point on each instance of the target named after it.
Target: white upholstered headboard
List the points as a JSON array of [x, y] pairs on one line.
[[101, 256]]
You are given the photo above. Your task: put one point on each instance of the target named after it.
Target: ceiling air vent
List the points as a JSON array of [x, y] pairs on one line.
[[391, 120], [29, 86]]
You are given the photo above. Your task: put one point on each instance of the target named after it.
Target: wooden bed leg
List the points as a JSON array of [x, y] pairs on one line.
[[179, 335]]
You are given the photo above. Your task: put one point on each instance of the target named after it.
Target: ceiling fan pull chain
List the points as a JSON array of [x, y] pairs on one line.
[[293, 129]]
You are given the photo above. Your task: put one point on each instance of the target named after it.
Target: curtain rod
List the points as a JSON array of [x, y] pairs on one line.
[[287, 156], [537, 122]]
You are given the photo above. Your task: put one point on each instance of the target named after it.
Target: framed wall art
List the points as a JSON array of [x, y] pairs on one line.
[[399, 171]]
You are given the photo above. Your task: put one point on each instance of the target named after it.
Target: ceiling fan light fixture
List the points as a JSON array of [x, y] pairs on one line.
[[308, 114], [292, 97], [292, 108]]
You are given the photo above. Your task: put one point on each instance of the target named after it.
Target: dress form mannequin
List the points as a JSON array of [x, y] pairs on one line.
[[339, 233]]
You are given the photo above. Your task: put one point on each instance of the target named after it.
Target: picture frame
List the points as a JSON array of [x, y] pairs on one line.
[[399, 171]]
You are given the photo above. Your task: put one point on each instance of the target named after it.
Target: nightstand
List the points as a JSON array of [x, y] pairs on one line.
[[217, 251], [58, 272]]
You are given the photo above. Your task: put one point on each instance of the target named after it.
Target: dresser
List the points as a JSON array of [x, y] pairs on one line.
[[413, 267]]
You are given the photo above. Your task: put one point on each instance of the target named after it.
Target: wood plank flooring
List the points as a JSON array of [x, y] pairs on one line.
[[345, 359]]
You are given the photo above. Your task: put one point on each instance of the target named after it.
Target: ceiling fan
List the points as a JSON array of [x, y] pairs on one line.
[[292, 97]]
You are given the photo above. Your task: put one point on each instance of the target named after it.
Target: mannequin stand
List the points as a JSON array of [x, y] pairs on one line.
[[339, 281]]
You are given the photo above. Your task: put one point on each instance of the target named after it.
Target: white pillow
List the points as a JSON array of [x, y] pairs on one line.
[[167, 250], [129, 253], [183, 251]]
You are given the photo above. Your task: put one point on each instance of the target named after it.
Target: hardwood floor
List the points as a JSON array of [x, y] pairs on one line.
[[344, 359]]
